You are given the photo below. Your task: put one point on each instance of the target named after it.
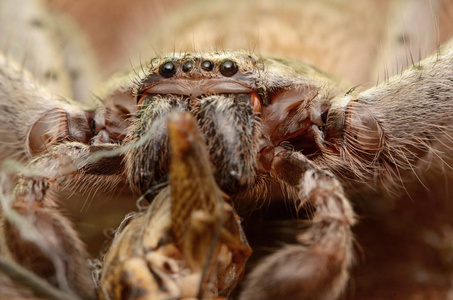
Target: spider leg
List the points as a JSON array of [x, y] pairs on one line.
[[317, 266], [41, 239], [36, 234]]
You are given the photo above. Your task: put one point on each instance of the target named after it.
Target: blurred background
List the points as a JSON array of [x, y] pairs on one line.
[[357, 40]]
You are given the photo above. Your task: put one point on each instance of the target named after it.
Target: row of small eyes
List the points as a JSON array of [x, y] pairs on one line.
[[227, 68]]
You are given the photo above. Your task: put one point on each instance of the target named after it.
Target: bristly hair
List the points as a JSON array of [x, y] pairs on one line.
[[394, 133]]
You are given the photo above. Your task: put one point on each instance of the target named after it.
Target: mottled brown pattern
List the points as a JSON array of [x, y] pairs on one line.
[[389, 146]]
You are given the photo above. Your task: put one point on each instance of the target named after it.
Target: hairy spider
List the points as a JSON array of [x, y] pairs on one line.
[[231, 148]]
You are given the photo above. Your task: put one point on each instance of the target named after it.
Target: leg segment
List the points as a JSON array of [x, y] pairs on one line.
[[317, 266], [35, 233]]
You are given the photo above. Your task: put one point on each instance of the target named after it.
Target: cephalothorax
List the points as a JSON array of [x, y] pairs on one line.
[[227, 106], [269, 131]]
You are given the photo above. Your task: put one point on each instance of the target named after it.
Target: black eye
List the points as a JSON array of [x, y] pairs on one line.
[[207, 65], [187, 66], [228, 68], [167, 70]]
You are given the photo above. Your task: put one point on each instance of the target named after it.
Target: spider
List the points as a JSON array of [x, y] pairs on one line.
[[283, 145]]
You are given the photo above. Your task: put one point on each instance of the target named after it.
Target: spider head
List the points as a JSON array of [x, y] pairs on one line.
[[242, 103], [221, 92]]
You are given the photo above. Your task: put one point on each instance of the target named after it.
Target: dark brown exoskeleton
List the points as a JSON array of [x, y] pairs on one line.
[[283, 139]]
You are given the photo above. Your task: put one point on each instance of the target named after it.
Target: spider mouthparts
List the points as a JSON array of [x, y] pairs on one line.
[[256, 103], [227, 119], [265, 157]]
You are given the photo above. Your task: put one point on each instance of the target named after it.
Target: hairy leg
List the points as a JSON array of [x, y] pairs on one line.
[[317, 267]]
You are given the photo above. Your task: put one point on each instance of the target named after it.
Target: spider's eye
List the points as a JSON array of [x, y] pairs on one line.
[[228, 68], [167, 70], [207, 65], [187, 66]]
